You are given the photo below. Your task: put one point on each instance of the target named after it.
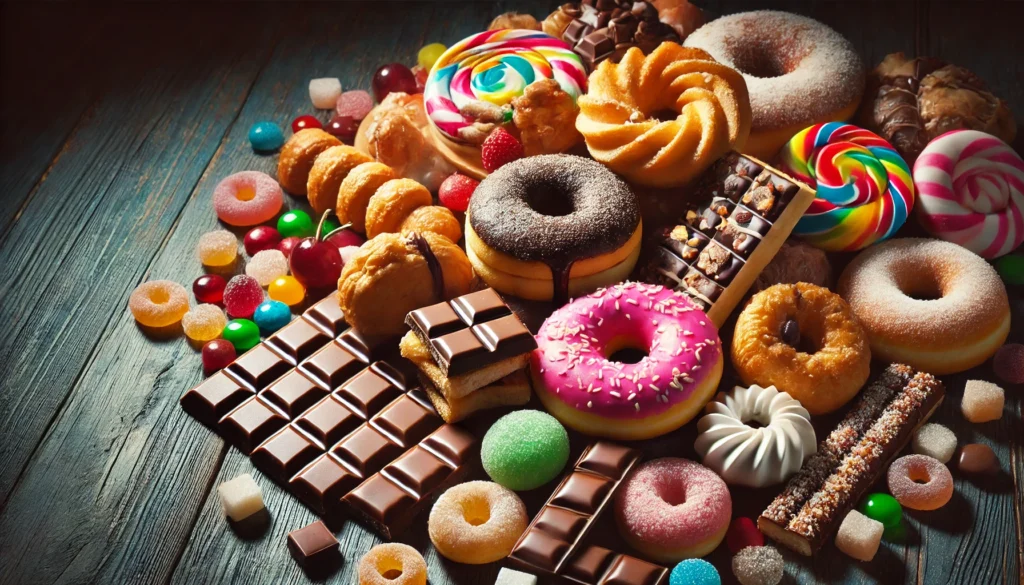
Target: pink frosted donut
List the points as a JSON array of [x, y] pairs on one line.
[[582, 386], [672, 509], [971, 192], [920, 482], [247, 198]]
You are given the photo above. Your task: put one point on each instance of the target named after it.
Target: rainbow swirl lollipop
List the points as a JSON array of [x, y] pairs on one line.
[[863, 185], [495, 66]]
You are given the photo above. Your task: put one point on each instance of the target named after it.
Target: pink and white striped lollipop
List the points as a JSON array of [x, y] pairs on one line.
[[970, 188]]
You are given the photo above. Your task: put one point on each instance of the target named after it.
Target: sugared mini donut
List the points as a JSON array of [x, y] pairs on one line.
[[158, 303], [798, 71], [298, 155], [672, 509], [476, 522], [581, 381], [920, 482], [933, 305], [392, 563], [247, 198]]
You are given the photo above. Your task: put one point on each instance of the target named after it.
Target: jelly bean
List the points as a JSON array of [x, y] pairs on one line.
[[295, 223], [304, 122], [344, 128], [243, 334], [429, 55], [288, 290], [265, 137], [209, 288], [883, 508], [261, 238], [217, 354], [271, 316]]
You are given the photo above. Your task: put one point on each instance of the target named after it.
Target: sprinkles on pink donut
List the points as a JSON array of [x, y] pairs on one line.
[[247, 198], [970, 189], [581, 386]]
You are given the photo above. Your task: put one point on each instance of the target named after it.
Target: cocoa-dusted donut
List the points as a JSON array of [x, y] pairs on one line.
[[553, 226]]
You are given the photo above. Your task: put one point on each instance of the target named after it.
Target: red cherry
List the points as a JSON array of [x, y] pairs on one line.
[[209, 288], [303, 122], [346, 237], [393, 77], [217, 354], [288, 244], [316, 264], [344, 128], [261, 238]]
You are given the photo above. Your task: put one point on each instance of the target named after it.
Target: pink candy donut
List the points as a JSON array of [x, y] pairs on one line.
[[582, 387], [970, 189], [672, 509], [247, 198]]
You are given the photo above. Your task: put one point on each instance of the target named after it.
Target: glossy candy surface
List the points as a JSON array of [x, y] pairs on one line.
[[393, 77], [345, 238], [243, 334], [265, 136], [209, 288], [295, 223], [316, 264], [288, 290], [217, 354], [429, 55], [271, 316], [304, 122], [978, 458], [287, 245], [884, 508], [344, 128], [242, 295], [743, 533], [261, 238]]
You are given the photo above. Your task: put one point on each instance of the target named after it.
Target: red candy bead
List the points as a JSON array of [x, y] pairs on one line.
[[393, 77], [242, 295], [743, 533], [217, 354], [261, 238], [303, 122], [209, 288], [344, 128], [288, 244]]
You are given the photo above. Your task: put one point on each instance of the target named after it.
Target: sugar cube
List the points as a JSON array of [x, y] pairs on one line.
[[324, 92], [859, 536], [512, 577], [758, 565], [935, 441], [983, 401], [240, 497]]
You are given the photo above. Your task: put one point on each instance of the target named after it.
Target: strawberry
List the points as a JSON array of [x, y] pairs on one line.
[[498, 149], [456, 190]]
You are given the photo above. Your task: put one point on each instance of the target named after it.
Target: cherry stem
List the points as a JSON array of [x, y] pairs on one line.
[[338, 230], [320, 225]]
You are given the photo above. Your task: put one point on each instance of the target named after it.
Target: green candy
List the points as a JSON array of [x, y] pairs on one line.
[[329, 226], [295, 223], [884, 508], [242, 333], [1011, 269], [525, 449]]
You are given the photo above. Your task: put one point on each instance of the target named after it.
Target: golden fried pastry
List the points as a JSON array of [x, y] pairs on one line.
[[298, 155], [514, 20], [393, 274], [357, 188], [329, 169], [546, 118], [433, 218], [661, 120], [803, 339], [392, 203]]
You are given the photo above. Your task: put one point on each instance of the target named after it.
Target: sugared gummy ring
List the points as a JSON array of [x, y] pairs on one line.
[[158, 303], [247, 198], [864, 188], [392, 563]]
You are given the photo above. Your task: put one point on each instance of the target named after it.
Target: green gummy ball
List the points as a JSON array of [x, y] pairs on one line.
[[1011, 269], [295, 223], [242, 333], [883, 508], [525, 449]]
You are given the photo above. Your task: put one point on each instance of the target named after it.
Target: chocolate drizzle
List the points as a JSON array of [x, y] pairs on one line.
[[436, 274]]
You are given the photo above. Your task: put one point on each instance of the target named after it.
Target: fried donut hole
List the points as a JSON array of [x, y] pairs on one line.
[[392, 564], [477, 522], [920, 482], [158, 303]]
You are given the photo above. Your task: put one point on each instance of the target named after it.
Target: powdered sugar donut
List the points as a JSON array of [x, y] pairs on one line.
[[247, 198], [672, 509], [971, 192]]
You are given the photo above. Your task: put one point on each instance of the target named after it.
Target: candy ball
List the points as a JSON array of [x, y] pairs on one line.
[[694, 572], [392, 78], [883, 508], [217, 248], [344, 128], [354, 104], [304, 122], [204, 322], [287, 245], [271, 316], [247, 198], [295, 224], [758, 565], [324, 92], [288, 290], [1011, 269], [1008, 363], [265, 137], [217, 354], [328, 226], [525, 449], [261, 238], [267, 266], [429, 55], [209, 288], [743, 533], [242, 295], [243, 334], [158, 303]]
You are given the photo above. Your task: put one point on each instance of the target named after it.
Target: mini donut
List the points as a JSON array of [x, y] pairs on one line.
[[538, 227], [158, 303], [433, 218], [920, 482], [298, 155], [476, 522], [804, 340], [247, 198], [328, 171], [579, 382], [392, 563], [799, 72], [932, 305], [392, 203], [672, 509], [355, 191]]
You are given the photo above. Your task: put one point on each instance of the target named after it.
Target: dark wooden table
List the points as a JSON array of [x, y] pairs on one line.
[[117, 122]]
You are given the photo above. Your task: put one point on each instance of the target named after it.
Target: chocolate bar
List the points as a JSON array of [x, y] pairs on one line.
[[333, 419], [608, 29], [744, 210], [555, 542], [851, 458], [314, 547]]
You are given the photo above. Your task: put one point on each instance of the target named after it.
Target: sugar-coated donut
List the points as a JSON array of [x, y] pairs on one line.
[[798, 71], [328, 171], [392, 203], [477, 522], [933, 305], [392, 563], [298, 155], [578, 380], [356, 190], [920, 482], [247, 198], [158, 303], [672, 509]]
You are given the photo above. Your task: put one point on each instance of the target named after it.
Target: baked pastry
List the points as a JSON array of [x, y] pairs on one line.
[[795, 262], [392, 203], [327, 173], [661, 120], [755, 457], [514, 20], [799, 72], [355, 192], [298, 155], [805, 341], [512, 390]]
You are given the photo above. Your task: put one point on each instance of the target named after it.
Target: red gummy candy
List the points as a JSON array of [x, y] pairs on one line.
[[1008, 363], [217, 354], [242, 295], [743, 533], [355, 104]]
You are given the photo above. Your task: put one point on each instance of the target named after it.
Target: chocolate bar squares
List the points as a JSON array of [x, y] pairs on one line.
[[744, 210], [346, 432], [554, 543]]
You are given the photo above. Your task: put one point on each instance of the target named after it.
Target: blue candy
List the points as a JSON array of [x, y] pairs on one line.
[[271, 316], [265, 136], [694, 572]]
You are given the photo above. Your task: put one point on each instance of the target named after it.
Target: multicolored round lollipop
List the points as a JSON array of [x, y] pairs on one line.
[[495, 66], [864, 188]]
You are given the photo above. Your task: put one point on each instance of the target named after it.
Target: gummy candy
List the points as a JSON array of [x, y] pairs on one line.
[[266, 137], [217, 248], [429, 55], [158, 303], [354, 104], [267, 266], [392, 78], [324, 92], [305, 122], [247, 198], [271, 316], [204, 322], [209, 288], [1008, 363], [287, 245], [295, 224], [694, 572], [288, 290], [344, 128], [758, 565], [1011, 269], [217, 354], [242, 295], [243, 334], [859, 536], [983, 401], [935, 441], [978, 458], [525, 449]]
